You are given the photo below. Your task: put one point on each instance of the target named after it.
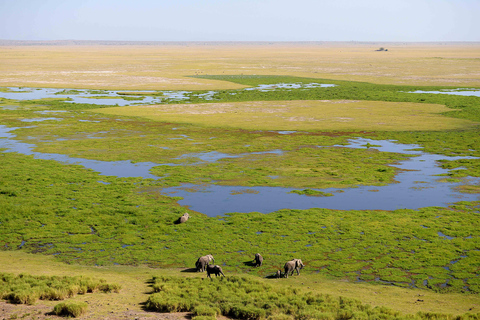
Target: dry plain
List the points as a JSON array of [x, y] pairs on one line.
[[167, 67]]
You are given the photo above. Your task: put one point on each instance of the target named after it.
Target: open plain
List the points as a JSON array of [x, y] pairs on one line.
[[216, 124]]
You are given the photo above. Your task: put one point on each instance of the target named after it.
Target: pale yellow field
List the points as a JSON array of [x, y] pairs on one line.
[[302, 115], [165, 67]]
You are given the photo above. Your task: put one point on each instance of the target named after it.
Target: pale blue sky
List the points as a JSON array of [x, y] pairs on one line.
[[241, 20]]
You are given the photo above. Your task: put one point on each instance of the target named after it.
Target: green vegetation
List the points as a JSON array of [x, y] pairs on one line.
[[83, 218], [71, 309], [242, 298], [313, 193], [27, 289]]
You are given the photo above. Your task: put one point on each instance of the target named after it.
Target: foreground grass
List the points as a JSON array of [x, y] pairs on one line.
[[244, 298], [137, 288], [27, 289]]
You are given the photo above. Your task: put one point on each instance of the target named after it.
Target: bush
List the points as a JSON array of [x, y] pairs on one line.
[[243, 298], [26, 289], [203, 310], [70, 309]]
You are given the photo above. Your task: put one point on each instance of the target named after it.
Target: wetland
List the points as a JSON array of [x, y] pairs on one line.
[[372, 184]]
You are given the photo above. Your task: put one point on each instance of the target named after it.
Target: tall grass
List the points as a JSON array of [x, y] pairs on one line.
[[27, 289], [71, 309], [242, 298]]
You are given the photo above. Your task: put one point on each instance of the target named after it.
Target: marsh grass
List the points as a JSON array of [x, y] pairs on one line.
[[312, 193], [64, 210], [113, 223], [27, 289], [71, 309], [242, 298]]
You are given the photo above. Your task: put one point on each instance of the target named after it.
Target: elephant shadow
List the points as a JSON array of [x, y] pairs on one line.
[[249, 263], [191, 270]]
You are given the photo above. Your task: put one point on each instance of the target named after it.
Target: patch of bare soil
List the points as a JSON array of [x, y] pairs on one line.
[[42, 311]]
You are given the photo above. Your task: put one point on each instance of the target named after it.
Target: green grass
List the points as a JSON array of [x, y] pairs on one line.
[[71, 309], [242, 298], [81, 217], [84, 221], [28, 289]]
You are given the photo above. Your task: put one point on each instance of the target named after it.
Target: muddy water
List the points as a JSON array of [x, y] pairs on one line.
[[418, 186]]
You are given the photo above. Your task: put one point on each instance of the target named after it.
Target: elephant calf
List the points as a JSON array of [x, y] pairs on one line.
[[258, 260], [216, 269], [202, 262], [293, 265]]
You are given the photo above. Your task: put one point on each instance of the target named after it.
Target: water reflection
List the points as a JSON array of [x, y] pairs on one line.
[[457, 92], [417, 184], [121, 169], [417, 187], [117, 98]]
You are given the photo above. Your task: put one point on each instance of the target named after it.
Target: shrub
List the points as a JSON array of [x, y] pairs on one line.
[[70, 309], [26, 289], [203, 310]]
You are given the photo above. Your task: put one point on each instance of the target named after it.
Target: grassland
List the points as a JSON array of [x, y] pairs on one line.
[[346, 115], [122, 228]]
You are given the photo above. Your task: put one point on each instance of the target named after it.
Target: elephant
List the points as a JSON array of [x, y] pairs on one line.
[[183, 218], [258, 260], [202, 262], [293, 265], [216, 269]]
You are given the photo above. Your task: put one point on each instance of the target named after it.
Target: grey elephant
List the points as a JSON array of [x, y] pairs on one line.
[[202, 262], [215, 269], [293, 265], [258, 260], [183, 218]]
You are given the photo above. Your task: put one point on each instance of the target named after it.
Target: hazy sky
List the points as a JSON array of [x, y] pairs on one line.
[[241, 20]]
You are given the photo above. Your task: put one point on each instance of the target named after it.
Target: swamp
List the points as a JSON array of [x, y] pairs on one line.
[[364, 165]]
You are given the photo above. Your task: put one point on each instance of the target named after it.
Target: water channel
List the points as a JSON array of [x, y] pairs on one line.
[[129, 98], [417, 183], [417, 186]]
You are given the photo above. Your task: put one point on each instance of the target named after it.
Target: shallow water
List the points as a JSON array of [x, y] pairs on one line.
[[457, 92], [418, 187], [115, 98], [121, 169]]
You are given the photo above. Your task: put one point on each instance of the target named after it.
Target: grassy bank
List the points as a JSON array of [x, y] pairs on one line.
[[137, 289]]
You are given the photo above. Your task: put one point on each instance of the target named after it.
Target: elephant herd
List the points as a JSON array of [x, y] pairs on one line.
[[203, 264]]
